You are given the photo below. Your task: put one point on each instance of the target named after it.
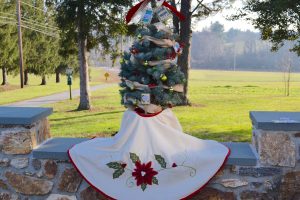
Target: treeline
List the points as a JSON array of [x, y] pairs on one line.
[[44, 52], [213, 48]]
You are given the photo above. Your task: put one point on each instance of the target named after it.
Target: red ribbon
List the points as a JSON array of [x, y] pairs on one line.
[[174, 10], [143, 3]]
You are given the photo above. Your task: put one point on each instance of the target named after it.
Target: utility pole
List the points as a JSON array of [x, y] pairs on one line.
[[20, 42]]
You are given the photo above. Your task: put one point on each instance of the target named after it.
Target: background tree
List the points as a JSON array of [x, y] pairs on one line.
[[277, 20], [89, 23], [40, 40], [184, 28], [8, 39]]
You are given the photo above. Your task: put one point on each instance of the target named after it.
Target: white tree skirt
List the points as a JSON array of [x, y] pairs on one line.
[[150, 158]]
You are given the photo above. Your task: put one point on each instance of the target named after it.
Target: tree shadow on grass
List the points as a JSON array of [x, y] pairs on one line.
[[88, 115]]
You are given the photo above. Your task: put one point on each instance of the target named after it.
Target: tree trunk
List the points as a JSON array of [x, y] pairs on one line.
[[85, 103], [57, 78], [4, 76], [26, 77], [44, 82], [185, 37]]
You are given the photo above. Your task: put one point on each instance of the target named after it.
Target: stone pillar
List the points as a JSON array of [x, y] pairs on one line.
[[21, 129], [276, 137]]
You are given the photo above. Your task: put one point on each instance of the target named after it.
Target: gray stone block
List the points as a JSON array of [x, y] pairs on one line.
[[276, 121], [22, 115], [242, 154], [56, 148]]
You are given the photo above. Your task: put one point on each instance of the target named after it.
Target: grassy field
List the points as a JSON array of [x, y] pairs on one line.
[[221, 102], [13, 93]]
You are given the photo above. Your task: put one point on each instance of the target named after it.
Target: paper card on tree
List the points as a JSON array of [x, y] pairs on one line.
[[176, 47], [145, 99], [162, 27], [148, 16], [163, 14]]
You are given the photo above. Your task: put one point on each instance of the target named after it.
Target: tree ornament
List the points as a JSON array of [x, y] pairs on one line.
[[145, 98], [140, 36], [146, 63], [163, 77], [171, 89], [134, 51], [122, 61]]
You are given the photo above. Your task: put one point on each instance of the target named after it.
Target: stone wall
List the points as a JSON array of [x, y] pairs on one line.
[[25, 177]]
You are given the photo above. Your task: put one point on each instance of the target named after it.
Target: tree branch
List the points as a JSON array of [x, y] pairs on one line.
[[199, 3]]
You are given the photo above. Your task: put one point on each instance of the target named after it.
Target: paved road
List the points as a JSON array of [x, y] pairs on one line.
[[36, 102]]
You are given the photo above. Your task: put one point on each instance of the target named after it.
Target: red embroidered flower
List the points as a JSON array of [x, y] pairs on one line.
[[143, 173]]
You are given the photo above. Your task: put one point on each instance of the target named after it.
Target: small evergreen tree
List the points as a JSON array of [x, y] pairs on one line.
[[151, 79], [8, 40]]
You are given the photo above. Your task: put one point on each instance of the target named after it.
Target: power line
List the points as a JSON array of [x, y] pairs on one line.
[[8, 18], [37, 24], [41, 31], [32, 6], [31, 28], [7, 14], [8, 22], [32, 22]]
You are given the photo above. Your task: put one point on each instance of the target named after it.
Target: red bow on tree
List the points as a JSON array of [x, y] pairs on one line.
[[134, 10]]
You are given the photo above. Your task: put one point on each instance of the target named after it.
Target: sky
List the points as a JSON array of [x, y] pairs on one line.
[[221, 17]]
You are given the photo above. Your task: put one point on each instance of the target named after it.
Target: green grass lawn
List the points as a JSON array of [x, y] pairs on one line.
[[13, 93], [221, 101]]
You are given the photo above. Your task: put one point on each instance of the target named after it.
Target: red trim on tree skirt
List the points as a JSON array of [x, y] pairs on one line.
[[98, 190], [111, 198], [202, 187], [142, 113]]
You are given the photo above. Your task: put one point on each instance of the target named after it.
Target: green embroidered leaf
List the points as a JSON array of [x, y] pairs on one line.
[[118, 173], [144, 186], [134, 158], [154, 180], [161, 161], [114, 165]]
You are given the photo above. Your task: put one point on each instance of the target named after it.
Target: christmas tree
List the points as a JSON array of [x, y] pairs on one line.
[[151, 79]]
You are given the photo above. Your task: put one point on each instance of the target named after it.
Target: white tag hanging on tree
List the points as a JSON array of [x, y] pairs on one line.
[[148, 15], [145, 99], [163, 14], [177, 48]]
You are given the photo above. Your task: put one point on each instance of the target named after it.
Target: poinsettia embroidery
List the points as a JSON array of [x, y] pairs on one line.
[[143, 174]]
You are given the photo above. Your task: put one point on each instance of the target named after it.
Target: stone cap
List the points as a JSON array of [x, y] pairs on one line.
[[22, 115], [276, 121], [56, 148]]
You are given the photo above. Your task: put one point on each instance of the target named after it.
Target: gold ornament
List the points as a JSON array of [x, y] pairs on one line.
[[163, 77], [146, 63], [121, 60], [140, 36], [171, 89]]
